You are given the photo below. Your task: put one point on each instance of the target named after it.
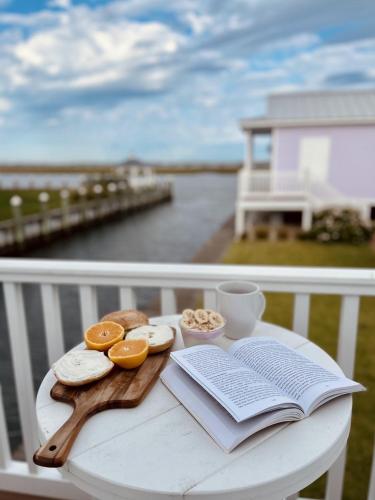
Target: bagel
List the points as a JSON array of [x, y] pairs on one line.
[[127, 319], [160, 337], [81, 367]]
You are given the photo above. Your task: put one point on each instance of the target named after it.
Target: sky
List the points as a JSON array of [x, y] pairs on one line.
[[97, 81]]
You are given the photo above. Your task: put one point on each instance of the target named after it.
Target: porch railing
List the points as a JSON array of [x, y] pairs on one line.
[[289, 184], [258, 181], [49, 275]]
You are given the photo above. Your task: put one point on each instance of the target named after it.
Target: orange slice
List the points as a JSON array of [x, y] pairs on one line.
[[101, 336], [129, 353]]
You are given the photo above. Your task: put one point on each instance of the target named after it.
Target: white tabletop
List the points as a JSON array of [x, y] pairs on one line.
[[158, 451]]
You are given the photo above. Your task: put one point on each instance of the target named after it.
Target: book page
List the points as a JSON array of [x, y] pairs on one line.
[[243, 392], [215, 419], [292, 372]]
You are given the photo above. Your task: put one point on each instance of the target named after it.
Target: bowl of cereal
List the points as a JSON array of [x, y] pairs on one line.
[[201, 326]]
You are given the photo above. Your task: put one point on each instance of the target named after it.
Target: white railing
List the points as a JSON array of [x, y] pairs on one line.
[[290, 183], [271, 181], [25, 477]]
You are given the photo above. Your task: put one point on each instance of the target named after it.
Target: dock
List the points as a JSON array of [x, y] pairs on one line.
[[25, 232]]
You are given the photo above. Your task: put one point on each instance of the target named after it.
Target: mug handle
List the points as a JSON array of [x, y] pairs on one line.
[[262, 305]]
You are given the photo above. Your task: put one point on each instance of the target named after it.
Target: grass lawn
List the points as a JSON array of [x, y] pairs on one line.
[[30, 203], [324, 318]]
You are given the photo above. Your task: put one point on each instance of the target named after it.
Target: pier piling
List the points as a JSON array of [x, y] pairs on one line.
[[44, 222], [16, 204]]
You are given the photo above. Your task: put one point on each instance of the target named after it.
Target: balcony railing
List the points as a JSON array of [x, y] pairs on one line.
[[290, 184], [255, 181], [49, 275]]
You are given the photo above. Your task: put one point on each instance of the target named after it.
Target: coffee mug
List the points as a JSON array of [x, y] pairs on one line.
[[242, 304]]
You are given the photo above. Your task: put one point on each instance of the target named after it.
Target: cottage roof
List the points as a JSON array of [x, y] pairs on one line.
[[340, 107]]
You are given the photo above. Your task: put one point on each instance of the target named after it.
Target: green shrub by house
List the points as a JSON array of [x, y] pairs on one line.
[[339, 226]]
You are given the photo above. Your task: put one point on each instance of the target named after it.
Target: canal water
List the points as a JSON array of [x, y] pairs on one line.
[[171, 232]]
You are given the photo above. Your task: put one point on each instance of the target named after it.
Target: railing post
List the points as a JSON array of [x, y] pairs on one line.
[[112, 190], [43, 200], [19, 344], [301, 313], [65, 213], [82, 191], [348, 333], [371, 489], [5, 455], [128, 299], [89, 305], [52, 322], [98, 190], [16, 204], [209, 299], [122, 189], [346, 358], [168, 301]]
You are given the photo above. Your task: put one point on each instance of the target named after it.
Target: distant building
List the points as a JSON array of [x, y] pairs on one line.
[[134, 167], [322, 154], [137, 172]]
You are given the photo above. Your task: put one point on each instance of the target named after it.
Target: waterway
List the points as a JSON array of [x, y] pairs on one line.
[[171, 232]]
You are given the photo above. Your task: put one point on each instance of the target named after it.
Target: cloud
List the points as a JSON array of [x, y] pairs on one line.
[[62, 4], [5, 105], [158, 72], [349, 77], [81, 52]]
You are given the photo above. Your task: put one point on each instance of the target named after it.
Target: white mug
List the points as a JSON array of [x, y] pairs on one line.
[[242, 304]]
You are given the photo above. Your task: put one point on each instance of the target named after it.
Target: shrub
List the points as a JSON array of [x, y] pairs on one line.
[[339, 226]]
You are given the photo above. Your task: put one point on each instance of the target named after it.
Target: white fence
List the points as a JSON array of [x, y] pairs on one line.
[[25, 477]]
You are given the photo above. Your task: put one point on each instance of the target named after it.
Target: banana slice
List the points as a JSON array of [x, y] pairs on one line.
[[201, 316], [190, 324], [81, 367], [188, 314], [203, 327], [159, 337], [215, 319]]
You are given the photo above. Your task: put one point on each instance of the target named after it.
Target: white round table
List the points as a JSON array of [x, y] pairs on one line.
[[158, 450]]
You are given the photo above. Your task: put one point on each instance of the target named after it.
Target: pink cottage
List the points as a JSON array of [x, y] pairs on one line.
[[322, 155]]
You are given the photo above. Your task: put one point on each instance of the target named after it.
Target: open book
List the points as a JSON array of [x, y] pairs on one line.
[[258, 382]]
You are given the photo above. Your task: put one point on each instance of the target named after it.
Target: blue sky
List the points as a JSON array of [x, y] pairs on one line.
[[85, 81]]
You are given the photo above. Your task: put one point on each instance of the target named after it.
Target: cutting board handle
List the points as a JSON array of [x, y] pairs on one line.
[[55, 451]]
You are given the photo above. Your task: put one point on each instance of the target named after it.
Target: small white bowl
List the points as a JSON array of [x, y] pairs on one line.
[[193, 337]]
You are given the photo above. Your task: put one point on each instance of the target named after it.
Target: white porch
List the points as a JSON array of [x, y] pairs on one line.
[[25, 477], [272, 190]]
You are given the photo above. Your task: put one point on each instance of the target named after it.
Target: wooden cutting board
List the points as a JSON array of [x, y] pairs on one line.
[[119, 389]]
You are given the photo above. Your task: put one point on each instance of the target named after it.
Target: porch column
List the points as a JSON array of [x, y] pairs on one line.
[[248, 150], [306, 218], [240, 218]]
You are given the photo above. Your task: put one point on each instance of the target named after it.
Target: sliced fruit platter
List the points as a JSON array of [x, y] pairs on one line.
[[122, 338]]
